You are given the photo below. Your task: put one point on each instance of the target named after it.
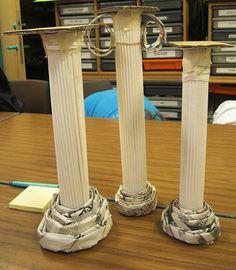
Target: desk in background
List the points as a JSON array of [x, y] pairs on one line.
[[27, 153]]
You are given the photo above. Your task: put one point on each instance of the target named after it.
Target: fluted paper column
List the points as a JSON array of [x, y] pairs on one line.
[[190, 218], [135, 196], [65, 73], [129, 75], [79, 216], [196, 70]]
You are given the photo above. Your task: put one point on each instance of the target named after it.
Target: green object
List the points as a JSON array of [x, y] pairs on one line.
[[35, 1], [1, 63], [14, 25], [26, 184], [16, 47]]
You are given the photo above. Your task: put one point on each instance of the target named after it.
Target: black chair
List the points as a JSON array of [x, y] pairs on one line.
[[34, 94]]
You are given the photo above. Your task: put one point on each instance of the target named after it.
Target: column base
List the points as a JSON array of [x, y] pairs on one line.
[[68, 230], [193, 227], [136, 204]]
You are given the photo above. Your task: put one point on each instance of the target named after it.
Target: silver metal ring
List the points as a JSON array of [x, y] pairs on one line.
[[161, 39], [89, 44]]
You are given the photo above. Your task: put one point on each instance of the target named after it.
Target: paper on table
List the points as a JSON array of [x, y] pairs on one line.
[[34, 199]]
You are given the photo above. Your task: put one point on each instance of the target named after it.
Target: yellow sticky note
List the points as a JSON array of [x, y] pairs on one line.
[[34, 199]]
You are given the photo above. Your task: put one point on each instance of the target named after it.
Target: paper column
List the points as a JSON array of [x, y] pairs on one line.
[[129, 76], [196, 69], [65, 74]]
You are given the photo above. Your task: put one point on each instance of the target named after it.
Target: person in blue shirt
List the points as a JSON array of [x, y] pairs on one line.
[[104, 104]]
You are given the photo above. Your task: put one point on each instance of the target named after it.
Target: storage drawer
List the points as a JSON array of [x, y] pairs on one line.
[[226, 58], [108, 65], [224, 69], [224, 23], [226, 49], [164, 4], [163, 88], [162, 64], [117, 3], [224, 11], [73, 9], [105, 42], [174, 28], [167, 16], [110, 56], [222, 35], [89, 65], [171, 114], [86, 54], [75, 20], [93, 40], [166, 102], [165, 52]]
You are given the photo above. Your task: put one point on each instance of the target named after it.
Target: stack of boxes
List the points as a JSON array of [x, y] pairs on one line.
[[168, 58], [166, 95], [224, 29], [80, 13], [108, 62]]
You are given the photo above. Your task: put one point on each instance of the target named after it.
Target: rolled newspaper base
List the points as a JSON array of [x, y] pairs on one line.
[[191, 226], [63, 48], [135, 196], [190, 219], [69, 230]]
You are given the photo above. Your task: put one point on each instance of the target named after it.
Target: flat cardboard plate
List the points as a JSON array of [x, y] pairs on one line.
[[192, 44], [50, 30]]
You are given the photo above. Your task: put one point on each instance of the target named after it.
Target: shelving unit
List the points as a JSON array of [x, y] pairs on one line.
[[221, 79], [99, 73]]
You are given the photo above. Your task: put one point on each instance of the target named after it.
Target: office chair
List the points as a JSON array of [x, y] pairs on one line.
[[34, 94]]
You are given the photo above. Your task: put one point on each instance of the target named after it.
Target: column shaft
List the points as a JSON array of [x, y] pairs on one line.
[[196, 68], [66, 88], [129, 76]]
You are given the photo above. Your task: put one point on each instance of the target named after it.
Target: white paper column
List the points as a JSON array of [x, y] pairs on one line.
[[196, 69], [64, 59], [129, 75]]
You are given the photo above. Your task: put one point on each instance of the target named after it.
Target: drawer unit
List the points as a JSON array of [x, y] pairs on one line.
[[224, 69], [224, 29], [167, 16], [74, 9], [162, 64], [108, 65], [86, 54], [175, 28], [75, 20], [165, 52], [223, 58], [116, 3], [89, 65], [164, 4], [224, 11], [162, 88], [224, 23]]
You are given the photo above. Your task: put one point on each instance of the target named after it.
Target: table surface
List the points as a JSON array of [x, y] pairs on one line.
[[27, 153], [7, 115]]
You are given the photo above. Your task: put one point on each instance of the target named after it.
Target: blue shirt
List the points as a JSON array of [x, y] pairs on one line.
[[104, 104]]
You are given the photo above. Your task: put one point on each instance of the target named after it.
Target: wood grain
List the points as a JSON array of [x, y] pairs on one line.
[[27, 153]]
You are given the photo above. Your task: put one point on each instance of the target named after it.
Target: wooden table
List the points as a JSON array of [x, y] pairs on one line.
[[27, 153], [7, 115]]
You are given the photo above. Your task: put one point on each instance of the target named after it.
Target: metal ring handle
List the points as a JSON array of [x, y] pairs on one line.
[[161, 37], [89, 44]]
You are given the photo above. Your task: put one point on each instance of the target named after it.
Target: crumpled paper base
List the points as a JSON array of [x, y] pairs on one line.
[[68, 230], [193, 227], [136, 204]]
